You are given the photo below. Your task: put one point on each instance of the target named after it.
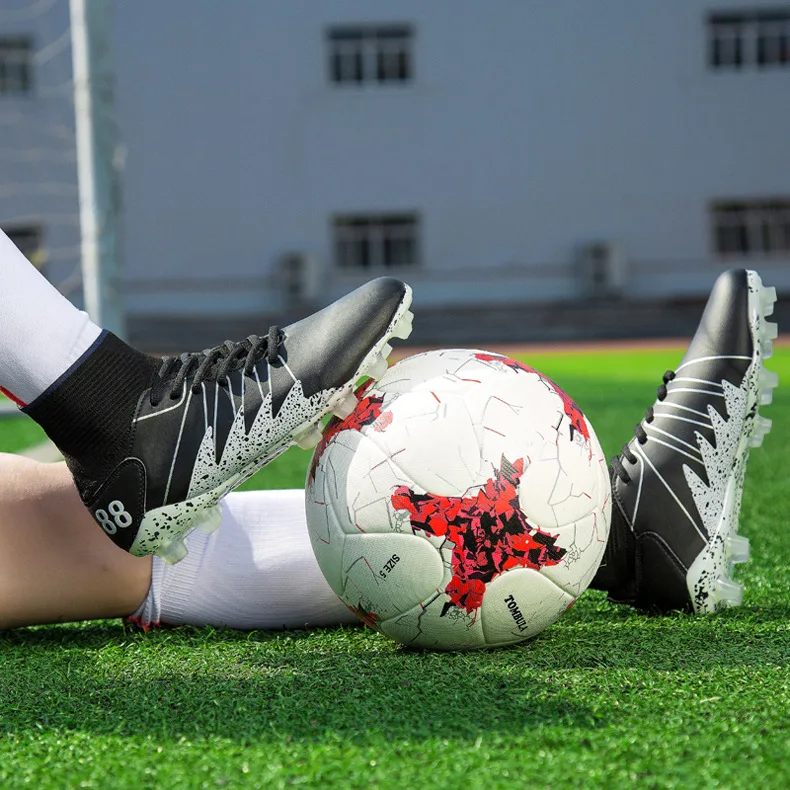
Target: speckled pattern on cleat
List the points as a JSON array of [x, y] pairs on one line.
[[677, 485]]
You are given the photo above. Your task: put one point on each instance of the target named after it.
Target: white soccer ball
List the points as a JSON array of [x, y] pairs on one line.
[[465, 503]]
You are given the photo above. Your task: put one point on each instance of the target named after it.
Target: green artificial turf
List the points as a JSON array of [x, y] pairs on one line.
[[606, 697]]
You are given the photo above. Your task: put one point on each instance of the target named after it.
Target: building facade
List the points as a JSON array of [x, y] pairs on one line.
[[494, 153]]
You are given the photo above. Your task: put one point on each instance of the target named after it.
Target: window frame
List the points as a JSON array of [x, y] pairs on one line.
[[369, 241], [378, 54], [757, 228], [738, 40]]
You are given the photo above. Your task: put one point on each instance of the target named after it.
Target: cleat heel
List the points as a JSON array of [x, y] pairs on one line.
[[209, 521], [174, 552], [309, 438], [729, 593], [403, 328], [739, 549]]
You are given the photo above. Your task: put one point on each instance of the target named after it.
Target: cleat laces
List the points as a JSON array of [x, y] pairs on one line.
[[214, 364], [639, 433]]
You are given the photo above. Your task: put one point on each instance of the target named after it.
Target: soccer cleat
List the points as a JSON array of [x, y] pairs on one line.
[[677, 484], [184, 431]]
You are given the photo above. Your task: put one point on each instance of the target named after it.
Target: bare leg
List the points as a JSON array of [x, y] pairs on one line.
[[56, 564]]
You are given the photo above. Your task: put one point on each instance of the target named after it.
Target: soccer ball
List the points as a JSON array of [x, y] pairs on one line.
[[465, 502]]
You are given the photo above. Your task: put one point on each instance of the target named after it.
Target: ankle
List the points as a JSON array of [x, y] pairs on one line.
[[87, 414]]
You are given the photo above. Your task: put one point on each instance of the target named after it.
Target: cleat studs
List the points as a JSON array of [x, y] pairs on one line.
[[739, 550], [386, 350], [729, 593], [210, 521], [403, 328], [768, 382], [309, 438], [764, 424], [770, 333], [767, 299], [174, 552], [378, 367], [343, 403], [762, 427]]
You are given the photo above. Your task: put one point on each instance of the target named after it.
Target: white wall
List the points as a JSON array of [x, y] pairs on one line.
[[532, 127]]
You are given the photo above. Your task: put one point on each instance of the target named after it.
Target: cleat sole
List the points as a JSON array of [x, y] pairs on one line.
[[709, 578]]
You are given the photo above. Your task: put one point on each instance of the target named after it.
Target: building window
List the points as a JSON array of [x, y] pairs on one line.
[[16, 65], [752, 229], [749, 39], [376, 241], [29, 241], [379, 54]]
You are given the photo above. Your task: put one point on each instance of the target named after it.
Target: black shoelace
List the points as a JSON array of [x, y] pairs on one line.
[[639, 433], [214, 364]]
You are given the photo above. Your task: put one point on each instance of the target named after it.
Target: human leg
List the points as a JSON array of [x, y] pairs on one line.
[[153, 445], [56, 565], [42, 333], [257, 571]]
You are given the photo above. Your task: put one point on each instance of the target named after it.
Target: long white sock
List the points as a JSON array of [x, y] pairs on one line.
[[42, 334], [256, 571]]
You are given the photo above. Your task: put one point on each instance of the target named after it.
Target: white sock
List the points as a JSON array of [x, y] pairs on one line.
[[256, 571], [42, 334]]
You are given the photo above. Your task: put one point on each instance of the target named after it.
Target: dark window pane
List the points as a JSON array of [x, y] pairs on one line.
[[358, 71], [336, 68], [404, 66], [16, 70]]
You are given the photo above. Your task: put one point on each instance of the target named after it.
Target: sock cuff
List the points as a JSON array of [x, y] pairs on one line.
[[172, 586], [88, 412], [147, 614]]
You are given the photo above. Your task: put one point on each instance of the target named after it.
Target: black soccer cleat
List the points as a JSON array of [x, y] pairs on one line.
[[677, 484], [153, 445]]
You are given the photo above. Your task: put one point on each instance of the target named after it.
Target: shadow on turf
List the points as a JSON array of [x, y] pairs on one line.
[[346, 683]]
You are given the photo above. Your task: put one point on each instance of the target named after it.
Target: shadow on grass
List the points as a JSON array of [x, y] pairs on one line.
[[341, 684], [331, 686]]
